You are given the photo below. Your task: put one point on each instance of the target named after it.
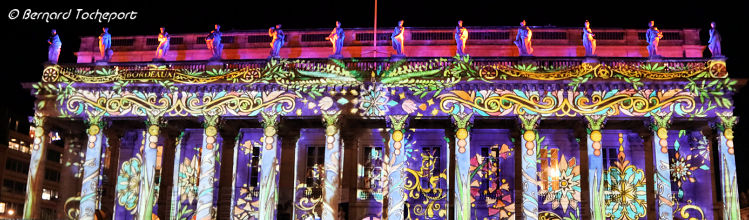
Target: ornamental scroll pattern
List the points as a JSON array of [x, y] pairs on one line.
[[248, 103], [566, 103]]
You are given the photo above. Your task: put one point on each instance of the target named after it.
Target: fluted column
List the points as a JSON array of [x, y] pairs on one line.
[[462, 166], [662, 173], [269, 164], [92, 168], [332, 184], [207, 174], [393, 166], [528, 153], [146, 197], [726, 151], [595, 166], [32, 208]]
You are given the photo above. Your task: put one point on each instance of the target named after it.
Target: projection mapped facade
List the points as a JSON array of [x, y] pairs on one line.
[[429, 136]]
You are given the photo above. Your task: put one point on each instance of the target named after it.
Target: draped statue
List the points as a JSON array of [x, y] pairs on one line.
[[54, 47], [278, 39], [397, 38], [336, 38], [163, 47], [461, 36], [714, 43], [105, 45], [588, 40], [213, 41], [653, 36], [523, 40]]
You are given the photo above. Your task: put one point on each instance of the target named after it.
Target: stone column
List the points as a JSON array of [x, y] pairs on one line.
[[462, 166], [269, 164], [727, 161], [662, 178], [92, 168], [595, 166], [207, 168], [529, 199], [32, 206], [393, 165], [333, 157], [146, 197]]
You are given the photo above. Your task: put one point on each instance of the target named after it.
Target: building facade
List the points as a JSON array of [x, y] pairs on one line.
[[432, 136]]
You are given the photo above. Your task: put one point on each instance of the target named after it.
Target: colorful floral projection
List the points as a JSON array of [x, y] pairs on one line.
[[407, 172]]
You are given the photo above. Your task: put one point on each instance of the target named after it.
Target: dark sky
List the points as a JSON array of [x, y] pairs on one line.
[[25, 46]]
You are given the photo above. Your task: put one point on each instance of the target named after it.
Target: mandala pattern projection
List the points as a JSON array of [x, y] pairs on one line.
[[624, 183], [558, 173], [689, 154], [425, 183], [187, 168], [246, 190], [492, 174]]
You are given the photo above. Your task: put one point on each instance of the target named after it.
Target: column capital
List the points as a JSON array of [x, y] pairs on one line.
[[331, 121], [462, 120], [269, 120], [726, 121], [397, 122], [595, 122], [210, 120], [39, 120], [529, 121], [660, 120]]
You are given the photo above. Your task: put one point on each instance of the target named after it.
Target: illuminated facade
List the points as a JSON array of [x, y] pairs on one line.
[[491, 136]]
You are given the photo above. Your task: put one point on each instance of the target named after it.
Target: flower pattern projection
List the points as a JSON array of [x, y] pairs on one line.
[[188, 179], [564, 189], [128, 184], [625, 192], [373, 102], [494, 193], [246, 208], [688, 169]]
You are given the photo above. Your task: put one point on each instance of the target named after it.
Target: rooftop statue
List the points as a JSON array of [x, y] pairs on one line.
[[105, 45], [523, 40], [278, 39], [653, 36], [336, 38], [213, 41], [461, 36], [589, 40], [714, 43], [54, 47], [397, 39], [163, 47]]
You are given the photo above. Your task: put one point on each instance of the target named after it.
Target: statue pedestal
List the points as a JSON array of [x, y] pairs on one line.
[[158, 60], [527, 59], [591, 59], [214, 63], [274, 57], [101, 63], [336, 56], [397, 57], [655, 58], [719, 57]]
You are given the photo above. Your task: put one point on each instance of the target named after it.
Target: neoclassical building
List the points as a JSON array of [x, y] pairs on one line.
[[432, 136]]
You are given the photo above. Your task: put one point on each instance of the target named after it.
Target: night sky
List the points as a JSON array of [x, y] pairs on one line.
[[25, 46]]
